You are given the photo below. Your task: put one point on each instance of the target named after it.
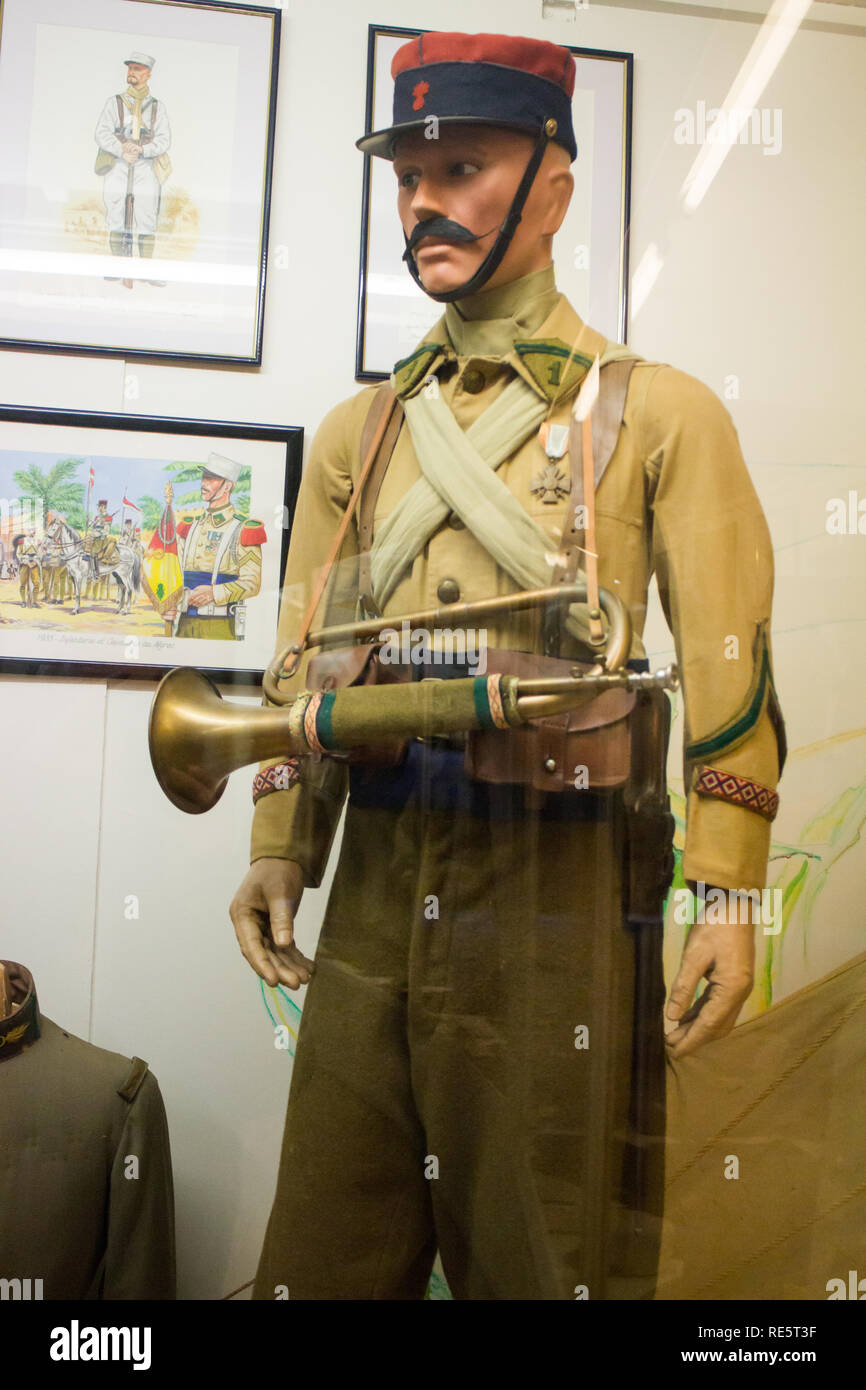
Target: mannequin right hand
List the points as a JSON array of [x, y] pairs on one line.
[[263, 914]]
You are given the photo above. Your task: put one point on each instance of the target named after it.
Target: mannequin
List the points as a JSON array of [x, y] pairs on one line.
[[471, 1068]]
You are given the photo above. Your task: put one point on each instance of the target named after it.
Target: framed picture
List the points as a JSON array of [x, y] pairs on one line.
[[591, 247], [136, 176], [131, 544]]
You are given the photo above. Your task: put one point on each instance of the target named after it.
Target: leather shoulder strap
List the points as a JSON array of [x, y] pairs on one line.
[[381, 410], [372, 488], [379, 404], [119, 101], [606, 420]]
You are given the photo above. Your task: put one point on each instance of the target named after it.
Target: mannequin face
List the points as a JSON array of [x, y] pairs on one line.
[[470, 174]]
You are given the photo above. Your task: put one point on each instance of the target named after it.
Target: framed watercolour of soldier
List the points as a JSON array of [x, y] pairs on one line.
[[136, 175], [131, 544], [591, 247]]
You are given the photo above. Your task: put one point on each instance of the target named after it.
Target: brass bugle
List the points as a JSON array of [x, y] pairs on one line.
[[617, 640], [197, 739]]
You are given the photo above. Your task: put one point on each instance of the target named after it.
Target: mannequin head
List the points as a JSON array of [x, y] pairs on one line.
[[470, 174]]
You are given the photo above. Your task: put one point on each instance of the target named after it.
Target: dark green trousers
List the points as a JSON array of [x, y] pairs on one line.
[[467, 1059]]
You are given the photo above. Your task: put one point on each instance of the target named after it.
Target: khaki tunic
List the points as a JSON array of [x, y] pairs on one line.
[[676, 500]]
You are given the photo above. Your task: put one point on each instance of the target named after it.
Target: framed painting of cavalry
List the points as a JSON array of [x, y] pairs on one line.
[[590, 249], [136, 165], [131, 544]]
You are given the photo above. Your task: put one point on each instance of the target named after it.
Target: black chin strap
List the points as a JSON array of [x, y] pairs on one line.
[[506, 231]]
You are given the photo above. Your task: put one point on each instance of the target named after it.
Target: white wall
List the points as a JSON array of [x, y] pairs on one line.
[[764, 283]]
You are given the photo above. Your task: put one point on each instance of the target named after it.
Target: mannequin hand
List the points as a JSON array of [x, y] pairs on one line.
[[263, 913], [725, 954]]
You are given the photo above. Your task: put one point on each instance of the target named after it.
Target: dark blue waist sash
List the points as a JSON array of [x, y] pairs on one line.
[[191, 580], [433, 777]]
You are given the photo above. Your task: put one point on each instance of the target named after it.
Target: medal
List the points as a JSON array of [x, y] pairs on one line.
[[551, 483]]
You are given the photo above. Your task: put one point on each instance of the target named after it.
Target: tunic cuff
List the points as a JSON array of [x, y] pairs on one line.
[[726, 845], [299, 823]]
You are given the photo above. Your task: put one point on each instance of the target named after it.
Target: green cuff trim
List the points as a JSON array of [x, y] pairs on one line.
[[738, 728]]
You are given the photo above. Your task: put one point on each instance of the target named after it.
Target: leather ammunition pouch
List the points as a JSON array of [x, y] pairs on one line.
[[584, 748]]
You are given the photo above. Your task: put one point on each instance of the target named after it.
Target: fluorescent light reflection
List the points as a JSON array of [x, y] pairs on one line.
[[771, 43]]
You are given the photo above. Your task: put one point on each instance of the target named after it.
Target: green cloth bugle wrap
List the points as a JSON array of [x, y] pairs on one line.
[[336, 719]]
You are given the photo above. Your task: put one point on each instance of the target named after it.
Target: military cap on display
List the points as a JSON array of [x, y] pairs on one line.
[[222, 467], [481, 79], [144, 59]]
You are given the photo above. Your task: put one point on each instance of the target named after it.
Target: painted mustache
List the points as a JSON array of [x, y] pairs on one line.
[[443, 229]]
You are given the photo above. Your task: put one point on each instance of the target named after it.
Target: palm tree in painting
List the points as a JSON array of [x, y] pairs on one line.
[[54, 490]]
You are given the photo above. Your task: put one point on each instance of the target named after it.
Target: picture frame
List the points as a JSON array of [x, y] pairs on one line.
[[79, 597], [591, 248], [117, 236]]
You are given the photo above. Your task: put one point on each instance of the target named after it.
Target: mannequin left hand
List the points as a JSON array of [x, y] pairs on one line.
[[724, 954]]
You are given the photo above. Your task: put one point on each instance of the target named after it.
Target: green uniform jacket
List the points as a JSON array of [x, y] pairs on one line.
[[73, 1118], [676, 501]]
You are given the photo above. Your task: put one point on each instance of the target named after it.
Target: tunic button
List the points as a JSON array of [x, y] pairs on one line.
[[473, 381], [448, 591], [550, 764], [455, 522]]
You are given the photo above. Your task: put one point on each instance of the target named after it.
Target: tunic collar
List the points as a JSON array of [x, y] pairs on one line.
[[21, 1028], [552, 358], [487, 323]]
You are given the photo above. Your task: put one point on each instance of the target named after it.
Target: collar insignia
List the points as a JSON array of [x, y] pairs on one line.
[[21, 1029], [411, 371], [555, 368]]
